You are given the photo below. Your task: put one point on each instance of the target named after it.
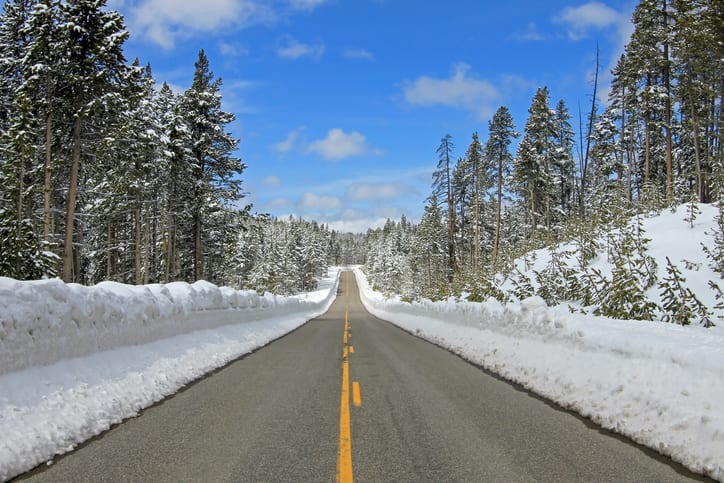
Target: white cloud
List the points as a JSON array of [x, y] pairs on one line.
[[459, 91], [530, 34], [358, 54], [377, 191], [581, 20], [279, 204], [311, 200], [272, 181], [596, 16], [591, 15], [360, 225], [231, 49], [287, 145], [339, 145], [292, 49], [163, 21], [306, 4]]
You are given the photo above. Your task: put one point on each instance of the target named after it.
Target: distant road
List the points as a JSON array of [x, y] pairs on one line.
[[349, 396]]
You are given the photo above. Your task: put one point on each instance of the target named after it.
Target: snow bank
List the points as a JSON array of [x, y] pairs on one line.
[[76, 360], [659, 384], [42, 322]]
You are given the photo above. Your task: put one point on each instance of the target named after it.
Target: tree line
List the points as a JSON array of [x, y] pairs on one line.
[[105, 176], [656, 143]]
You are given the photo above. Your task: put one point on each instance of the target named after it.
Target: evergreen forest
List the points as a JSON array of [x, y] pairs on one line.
[[654, 145], [107, 176]]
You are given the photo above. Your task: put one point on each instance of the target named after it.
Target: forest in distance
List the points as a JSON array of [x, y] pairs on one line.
[[107, 177]]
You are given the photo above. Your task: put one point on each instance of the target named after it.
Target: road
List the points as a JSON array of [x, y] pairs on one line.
[[348, 396]]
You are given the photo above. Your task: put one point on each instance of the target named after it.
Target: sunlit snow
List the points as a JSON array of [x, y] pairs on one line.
[[660, 384], [75, 360]]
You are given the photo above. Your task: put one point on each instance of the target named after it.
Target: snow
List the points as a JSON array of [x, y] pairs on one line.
[[75, 360], [670, 235], [660, 384]]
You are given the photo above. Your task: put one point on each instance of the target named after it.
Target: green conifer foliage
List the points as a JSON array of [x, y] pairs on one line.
[[634, 273], [715, 253], [679, 303]]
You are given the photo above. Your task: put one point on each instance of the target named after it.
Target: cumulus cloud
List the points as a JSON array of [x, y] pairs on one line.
[[289, 143], [311, 200], [290, 48], [460, 90], [339, 145], [377, 191], [358, 54], [163, 21], [582, 19]]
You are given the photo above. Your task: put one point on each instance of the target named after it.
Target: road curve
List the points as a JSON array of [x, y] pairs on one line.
[[348, 396]]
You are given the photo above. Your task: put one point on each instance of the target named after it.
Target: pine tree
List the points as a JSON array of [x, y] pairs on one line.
[[481, 184], [499, 159], [634, 273], [532, 168], [215, 169], [176, 155], [428, 252], [562, 164], [649, 62], [443, 189], [715, 253], [692, 210], [679, 303], [95, 69]]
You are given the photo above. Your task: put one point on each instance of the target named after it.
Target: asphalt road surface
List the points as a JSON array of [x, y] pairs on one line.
[[348, 396]]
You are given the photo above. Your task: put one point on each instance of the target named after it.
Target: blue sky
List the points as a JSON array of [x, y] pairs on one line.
[[341, 104]]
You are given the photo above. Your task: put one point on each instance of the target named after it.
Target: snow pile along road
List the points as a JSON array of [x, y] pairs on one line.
[[75, 360], [46, 321], [660, 384]]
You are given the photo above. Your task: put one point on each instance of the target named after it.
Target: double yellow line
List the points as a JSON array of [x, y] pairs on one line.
[[344, 456]]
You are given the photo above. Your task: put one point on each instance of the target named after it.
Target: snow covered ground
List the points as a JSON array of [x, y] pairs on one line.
[[670, 235], [75, 360], [660, 384]]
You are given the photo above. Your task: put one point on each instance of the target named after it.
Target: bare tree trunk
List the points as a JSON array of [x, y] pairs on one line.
[[647, 138], [697, 157], [68, 273], [532, 212], [137, 242], [198, 272], [20, 209], [476, 248], [47, 185], [668, 114], [109, 252], [451, 220], [498, 215], [145, 259], [591, 118]]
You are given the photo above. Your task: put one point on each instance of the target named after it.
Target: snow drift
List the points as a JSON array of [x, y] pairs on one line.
[[42, 322], [659, 384], [75, 360]]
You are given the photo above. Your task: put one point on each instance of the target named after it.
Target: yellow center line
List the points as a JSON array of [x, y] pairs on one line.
[[344, 456], [351, 349], [356, 395]]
